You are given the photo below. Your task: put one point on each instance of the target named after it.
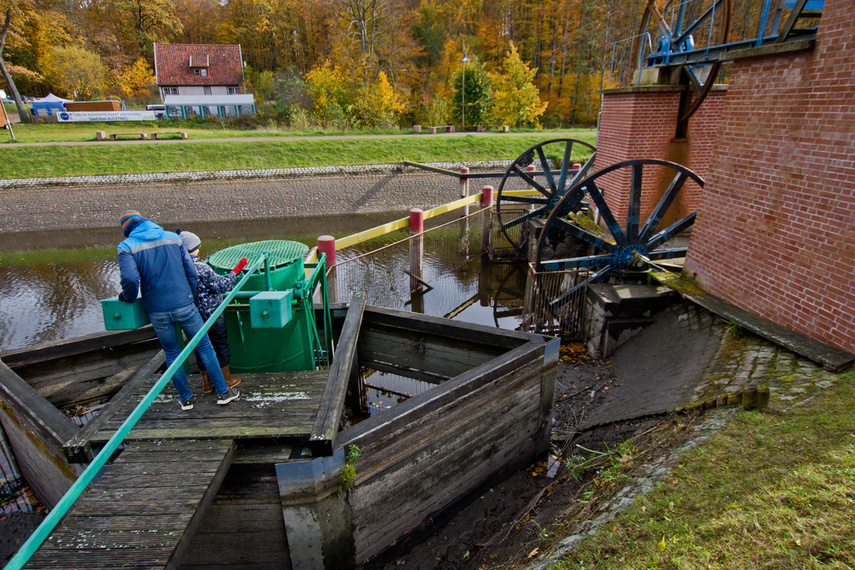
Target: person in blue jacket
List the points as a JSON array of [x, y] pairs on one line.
[[154, 263]]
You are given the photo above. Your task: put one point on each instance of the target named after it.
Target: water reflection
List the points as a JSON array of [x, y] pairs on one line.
[[50, 294]]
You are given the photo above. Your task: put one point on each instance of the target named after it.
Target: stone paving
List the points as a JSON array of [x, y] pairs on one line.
[[691, 355], [87, 202]]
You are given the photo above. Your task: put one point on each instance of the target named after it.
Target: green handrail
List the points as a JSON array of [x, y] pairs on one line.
[[41, 533]]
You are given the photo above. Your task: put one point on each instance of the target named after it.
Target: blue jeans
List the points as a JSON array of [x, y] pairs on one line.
[[189, 319]]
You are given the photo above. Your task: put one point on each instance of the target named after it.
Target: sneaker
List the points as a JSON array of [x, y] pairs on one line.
[[186, 404], [232, 394]]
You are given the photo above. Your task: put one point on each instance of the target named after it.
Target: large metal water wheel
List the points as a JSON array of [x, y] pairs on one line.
[[554, 157], [618, 249]]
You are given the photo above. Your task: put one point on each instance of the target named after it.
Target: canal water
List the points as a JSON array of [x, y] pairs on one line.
[[51, 283]]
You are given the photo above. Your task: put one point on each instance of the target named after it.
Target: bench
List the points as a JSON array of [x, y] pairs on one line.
[[502, 128], [449, 128], [115, 136], [172, 134]]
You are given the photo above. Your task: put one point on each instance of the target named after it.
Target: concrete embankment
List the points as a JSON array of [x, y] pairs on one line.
[[88, 202]]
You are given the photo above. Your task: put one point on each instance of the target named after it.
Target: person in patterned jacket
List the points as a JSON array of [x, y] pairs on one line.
[[208, 296]]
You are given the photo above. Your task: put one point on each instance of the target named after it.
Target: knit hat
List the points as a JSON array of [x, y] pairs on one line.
[[127, 215], [129, 220], [190, 240]]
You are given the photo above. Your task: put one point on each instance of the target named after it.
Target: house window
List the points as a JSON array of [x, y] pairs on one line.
[[207, 90], [232, 91], [170, 90], [200, 72]]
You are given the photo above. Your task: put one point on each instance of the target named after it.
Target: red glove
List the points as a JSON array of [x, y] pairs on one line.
[[239, 267]]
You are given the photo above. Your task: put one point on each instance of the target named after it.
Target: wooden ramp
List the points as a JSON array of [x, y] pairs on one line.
[[144, 510]]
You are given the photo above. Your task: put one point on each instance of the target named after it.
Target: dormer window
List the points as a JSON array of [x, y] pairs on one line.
[[200, 72]]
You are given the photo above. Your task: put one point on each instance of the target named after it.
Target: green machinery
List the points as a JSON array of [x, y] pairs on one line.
[[271, 322]]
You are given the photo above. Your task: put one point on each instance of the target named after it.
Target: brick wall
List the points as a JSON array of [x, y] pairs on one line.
[[776, 230], [642, 123]]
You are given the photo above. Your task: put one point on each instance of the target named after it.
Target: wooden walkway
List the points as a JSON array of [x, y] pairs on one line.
[[144, 510], [283, 404]]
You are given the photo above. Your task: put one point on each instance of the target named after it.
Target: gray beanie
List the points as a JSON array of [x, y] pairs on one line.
[[190, 240]]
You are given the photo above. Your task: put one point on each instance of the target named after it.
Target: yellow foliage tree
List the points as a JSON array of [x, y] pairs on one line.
[[327, 87], [377, 104], [136, 79], [76, 72], [516, 100]]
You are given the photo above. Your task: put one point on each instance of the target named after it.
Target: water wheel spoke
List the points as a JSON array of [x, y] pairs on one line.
[[667, 253], [536, 200], [575, 262], [565, 166], [518, 220], [633, 210], [568, 295], [530, 181], [663, 205], [544, 164], [546, 185], [605, 212], [670, 231], [586, 168], [585, 235]]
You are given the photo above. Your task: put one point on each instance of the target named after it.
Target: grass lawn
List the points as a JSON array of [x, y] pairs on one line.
[[771, 490], [186, 156]]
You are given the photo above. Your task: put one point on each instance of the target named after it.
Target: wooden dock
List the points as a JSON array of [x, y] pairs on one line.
[[144, 510], [256, 484]]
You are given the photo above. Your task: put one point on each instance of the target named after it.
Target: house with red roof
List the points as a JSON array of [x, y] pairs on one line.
[[201, 79]]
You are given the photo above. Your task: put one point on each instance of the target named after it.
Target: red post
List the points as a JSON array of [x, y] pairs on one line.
[[417, 227], [487, 196], [417, 221], [464, 182], [326, 245]]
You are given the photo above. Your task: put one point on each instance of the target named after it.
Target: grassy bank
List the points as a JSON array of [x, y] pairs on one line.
[[100, 159], [773, 489]]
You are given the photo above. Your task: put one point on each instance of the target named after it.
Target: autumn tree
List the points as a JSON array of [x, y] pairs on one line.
[[76, 72], [10, 83], [471, 102], [328, 88], [377, 104], [516, 100], [136, 80]]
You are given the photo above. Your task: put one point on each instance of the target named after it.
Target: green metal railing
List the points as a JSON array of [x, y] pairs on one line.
[[43, 531]]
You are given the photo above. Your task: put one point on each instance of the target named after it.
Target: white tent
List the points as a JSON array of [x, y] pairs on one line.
[[51, 98]]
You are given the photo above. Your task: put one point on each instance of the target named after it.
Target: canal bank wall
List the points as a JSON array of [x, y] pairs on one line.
[[88, 202]]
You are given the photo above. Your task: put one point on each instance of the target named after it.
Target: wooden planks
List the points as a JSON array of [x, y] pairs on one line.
[[282, 404], [433, 449], [144, 510]]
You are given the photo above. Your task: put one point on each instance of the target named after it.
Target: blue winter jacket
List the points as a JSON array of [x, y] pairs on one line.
[[155, 262]]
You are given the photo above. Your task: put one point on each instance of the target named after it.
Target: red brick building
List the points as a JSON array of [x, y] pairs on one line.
[[775, 232]]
